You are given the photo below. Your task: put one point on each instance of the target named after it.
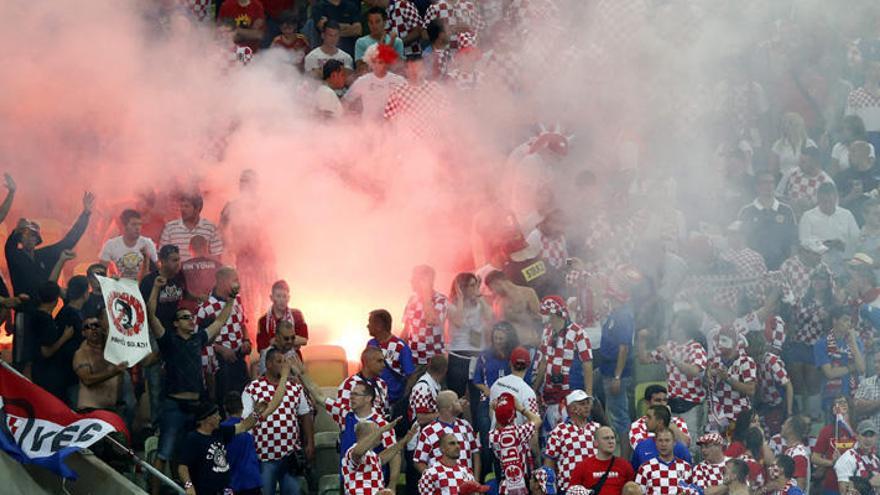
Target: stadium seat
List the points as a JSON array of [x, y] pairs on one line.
[[329, 485], [326, 364], [326, 454], [639, 396]]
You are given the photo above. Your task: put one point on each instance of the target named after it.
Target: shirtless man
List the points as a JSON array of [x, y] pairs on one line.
[[518, 306], [99, 381]]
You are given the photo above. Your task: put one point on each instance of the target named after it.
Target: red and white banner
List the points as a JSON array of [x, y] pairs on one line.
[[129, 336], [37, 428]]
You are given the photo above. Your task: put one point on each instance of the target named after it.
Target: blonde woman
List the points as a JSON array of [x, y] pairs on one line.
[[786, 151]]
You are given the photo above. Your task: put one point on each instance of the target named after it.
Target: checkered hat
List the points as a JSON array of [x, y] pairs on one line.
[[710, 439], [577, 490], [546, 478], [554, 305], [466, 40]]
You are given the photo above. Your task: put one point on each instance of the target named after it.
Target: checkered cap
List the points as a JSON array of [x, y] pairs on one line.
[[577, 490], [466, 40], [710, 439], [554, 305]]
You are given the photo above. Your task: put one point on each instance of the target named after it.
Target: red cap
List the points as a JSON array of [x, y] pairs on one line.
[[520, 355], [505, 409]]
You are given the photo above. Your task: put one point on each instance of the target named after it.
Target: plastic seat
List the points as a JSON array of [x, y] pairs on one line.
[[326, 454], [326, 364], [639, 396]]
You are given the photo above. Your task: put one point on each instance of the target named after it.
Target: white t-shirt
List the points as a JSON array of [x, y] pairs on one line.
[[517, 387], [373, 93], [128, 260], [317, 58], [327, 103], [789, 158], [840, 152]]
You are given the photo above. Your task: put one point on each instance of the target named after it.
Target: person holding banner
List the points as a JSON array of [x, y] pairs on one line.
[[99, 381], [184, 382]]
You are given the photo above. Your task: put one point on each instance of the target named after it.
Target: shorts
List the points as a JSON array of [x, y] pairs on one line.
[[798, 352]]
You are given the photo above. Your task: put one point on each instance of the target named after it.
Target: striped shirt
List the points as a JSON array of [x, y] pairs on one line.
[[178, 234]]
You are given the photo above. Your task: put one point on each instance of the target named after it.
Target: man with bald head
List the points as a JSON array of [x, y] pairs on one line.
[[590, 472], [860, 179], [428, 448], [448, 474], [225, 359], [372, 364]]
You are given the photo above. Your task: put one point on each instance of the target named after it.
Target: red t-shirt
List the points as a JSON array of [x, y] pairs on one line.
[[266, 332], [200, 275], [825, 445], [735, 450], [244, 17], [274, 8], [589, 471]]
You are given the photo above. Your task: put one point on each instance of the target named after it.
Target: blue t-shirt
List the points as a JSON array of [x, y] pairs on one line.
[[647, 450], [396, 383], [244, 466], [833, 388], [364, 42], [490, 368], [617, 330]]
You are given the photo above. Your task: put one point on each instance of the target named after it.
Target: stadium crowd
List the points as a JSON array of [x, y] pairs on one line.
[[626, 345]]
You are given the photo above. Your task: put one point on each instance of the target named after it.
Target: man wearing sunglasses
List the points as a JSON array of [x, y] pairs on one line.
[[99, 381], [861, 460], [181, 348]]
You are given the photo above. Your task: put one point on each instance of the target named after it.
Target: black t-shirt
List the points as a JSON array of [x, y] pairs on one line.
[[183, 361], [169, 297], [347, 12], [535, 273], [54, 373], [93, 305], [71, 317], [205, 457]]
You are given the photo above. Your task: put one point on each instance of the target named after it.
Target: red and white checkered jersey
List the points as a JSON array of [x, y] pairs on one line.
[[422, 400], [771, 376], [511, 446], [679, 384], [638, 431], [866, 105], [460, 14], [809, 320], [561, 349], [363, 477], [278, 434], [800, 187], [391, 351], [727, 403], [708, 475], [796, 277], [339, 407], [200, 9], [419, 107], [231, 335], [659, 478], [403, 16], [441, 479], [427, 449], [568, 445], [801, 455], [749, 265], [425, 341], [554, 251], [854, 463]]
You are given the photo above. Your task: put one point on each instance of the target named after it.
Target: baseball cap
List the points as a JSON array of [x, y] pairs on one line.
[[520, 356], [865, 426], [204, 410], [577, 396], [861, 259], [814, 245], [577, 490], [710, 439]]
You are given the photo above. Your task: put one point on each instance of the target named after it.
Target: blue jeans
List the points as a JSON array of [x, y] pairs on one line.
[[275, 472], [173, 424], [617, 406]]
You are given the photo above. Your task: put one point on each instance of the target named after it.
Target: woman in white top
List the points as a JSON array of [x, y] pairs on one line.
[[787, 149], [468, 321], [852, 129]]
